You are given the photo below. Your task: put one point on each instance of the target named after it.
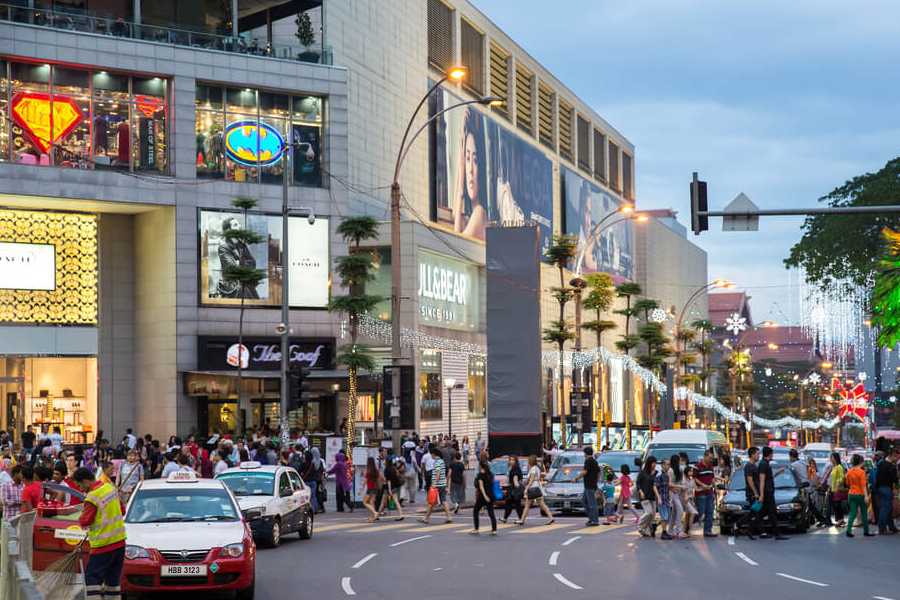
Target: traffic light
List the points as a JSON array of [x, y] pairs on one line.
[[699, 204], [297, 385]]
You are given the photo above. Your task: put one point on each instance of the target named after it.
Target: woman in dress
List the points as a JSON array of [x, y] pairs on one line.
[[470, 196], [533, 492]]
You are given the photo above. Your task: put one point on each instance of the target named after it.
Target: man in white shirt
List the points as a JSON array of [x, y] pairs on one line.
[[220, 465], [427, 467], [303, 441], [56, 439], [131, 439]]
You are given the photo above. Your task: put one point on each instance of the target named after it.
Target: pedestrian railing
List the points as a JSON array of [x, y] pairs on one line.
[[16, 547]]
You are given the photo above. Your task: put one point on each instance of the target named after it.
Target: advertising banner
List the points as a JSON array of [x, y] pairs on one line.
[[585, 206], [448, 292], [308, 262], [484, 172]]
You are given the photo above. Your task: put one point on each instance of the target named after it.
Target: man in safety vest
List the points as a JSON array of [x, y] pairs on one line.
[[102, 514]]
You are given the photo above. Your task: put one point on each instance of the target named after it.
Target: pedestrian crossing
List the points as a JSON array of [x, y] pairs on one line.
[[460, 525]]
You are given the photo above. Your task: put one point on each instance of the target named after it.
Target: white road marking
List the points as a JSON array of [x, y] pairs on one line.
[[731, 540], [881, 598], [570, 540], [785, 575], [565, 581], [554, 557], [345, 583], [364, 561], [747, 560], [421, 537]]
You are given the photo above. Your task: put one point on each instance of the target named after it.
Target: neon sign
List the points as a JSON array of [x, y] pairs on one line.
[[46, 124], [148, 106], [252, 144]]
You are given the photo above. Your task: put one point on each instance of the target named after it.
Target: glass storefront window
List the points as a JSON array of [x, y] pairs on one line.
[[430, 387], [266, 117], [477, 386], [210, 144], [78, 118]]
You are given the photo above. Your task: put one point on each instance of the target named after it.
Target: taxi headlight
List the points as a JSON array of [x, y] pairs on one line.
[[789, 506], [731, 507], [133, 552], [232, 550]]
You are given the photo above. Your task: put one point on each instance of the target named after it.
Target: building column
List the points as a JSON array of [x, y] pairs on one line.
[[234, 18], [137, 11]]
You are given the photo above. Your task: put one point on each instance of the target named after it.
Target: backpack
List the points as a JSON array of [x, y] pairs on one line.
[[873, 475]]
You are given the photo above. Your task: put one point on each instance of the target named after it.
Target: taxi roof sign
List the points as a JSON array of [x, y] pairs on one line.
[[182, 476], [250, 464]]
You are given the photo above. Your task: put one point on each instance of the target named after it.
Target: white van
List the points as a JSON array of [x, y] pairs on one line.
[[693, 442], [820, 451]]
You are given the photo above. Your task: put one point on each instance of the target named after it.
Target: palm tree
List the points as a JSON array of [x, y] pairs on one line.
[[354, 269], [242, 274], [599, 298], [563, 250], [705, 346]]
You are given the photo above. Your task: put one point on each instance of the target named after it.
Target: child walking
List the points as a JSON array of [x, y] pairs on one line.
[[609, 496], [625, 495]]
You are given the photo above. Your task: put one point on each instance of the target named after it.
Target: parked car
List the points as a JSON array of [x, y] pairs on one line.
[[693, 442], [56, 528], [791, 500], [563, 494]]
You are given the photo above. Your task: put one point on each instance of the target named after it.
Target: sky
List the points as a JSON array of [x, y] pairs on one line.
[[783, 101]]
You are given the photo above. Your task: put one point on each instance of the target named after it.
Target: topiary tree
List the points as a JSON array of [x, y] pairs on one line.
[[240, 273], [560, 254], [305, 33], [354, 269], [599, 299]]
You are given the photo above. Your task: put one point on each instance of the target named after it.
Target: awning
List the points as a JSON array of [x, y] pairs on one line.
[[252, 13]]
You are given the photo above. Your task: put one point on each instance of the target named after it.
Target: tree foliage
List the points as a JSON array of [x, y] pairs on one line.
[[846, 246], [600, 294], [885, 300]]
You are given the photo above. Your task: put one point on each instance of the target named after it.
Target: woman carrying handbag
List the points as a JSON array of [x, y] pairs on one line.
[[533, 492], [515, 491]]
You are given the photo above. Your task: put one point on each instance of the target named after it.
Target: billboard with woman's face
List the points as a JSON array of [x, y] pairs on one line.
[[483, 172], [585, 206]]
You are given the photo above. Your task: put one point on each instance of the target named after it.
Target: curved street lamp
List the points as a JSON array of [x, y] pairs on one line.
[[455, 74]]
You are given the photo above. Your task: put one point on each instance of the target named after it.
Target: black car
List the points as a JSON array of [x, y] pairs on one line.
[[791, 501]]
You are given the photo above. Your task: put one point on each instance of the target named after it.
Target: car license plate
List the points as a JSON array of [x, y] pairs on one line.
[[567, 504], [182, 570]]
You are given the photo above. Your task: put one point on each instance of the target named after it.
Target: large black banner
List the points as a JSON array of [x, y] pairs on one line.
[[221, 353], [513, 337]]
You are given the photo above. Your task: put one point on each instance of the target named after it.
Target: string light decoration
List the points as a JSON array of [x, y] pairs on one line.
[[658, 316], [381, 332], [814, 379], [835, 317], [886, 291], [735, 323]]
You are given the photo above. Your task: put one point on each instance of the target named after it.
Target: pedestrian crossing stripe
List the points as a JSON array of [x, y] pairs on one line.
[[543, 528], [429, 527], [485, 525], [339, 526], [597, 529], [379, 527]]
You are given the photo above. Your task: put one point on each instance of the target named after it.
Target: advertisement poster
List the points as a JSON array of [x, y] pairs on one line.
[[448, 292], [585, 206], [484, 172], [332, 446], [309, 260]]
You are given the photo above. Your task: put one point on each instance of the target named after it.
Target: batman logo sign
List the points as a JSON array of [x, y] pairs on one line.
[[253, 144]]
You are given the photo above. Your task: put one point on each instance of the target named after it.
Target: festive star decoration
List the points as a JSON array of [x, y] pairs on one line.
[[768, 371], [658, 315], [815, 379], [862, 376], [854, 402], [735, 323]]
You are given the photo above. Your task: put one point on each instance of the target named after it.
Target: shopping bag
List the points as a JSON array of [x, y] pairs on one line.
[[432, 496], [756, 506]]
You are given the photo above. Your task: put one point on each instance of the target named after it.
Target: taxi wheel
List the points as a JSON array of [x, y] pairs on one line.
[[306, 530], [274, 538]]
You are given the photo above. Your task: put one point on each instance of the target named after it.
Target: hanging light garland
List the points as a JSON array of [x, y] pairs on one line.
[[835, 317]]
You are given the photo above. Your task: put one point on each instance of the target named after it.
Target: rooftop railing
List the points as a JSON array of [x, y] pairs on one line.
[[84, 22]]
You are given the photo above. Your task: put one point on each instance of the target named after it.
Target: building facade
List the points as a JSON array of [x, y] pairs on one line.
[[120, 153]]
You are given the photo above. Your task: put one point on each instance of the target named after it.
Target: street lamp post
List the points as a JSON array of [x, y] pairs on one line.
[[284, 328], [450, 383], [455, 74]]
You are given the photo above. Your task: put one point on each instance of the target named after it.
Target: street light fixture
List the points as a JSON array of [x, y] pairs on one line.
[[773, 346], [826, 365], [456, 74]]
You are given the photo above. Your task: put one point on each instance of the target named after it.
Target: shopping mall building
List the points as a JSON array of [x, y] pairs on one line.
[[129, 126]]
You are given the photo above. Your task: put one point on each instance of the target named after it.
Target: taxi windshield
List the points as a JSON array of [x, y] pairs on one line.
[[249, 484], [567, 474], [180, 503]]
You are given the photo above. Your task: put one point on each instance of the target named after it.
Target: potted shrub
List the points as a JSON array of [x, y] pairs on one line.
[[307, 37]]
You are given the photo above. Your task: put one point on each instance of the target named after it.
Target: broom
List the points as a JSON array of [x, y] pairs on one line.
[[60, 581]]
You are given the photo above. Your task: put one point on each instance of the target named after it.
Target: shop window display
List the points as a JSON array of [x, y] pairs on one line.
[[477, 386], [77, 118], [241, 133], [430, 388]]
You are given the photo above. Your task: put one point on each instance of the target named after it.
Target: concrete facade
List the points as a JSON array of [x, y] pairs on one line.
[[150, 314]]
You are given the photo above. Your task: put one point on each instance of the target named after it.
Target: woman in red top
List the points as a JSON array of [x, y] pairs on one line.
[[373, 483]]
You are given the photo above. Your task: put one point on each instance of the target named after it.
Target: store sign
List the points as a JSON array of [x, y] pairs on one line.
[[263, 354], [46, 123], [448, 292], [309, 273], [148, 106], [254, 144], [27, 266]]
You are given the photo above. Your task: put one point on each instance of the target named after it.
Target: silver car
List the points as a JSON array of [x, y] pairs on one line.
[[562, 493]]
